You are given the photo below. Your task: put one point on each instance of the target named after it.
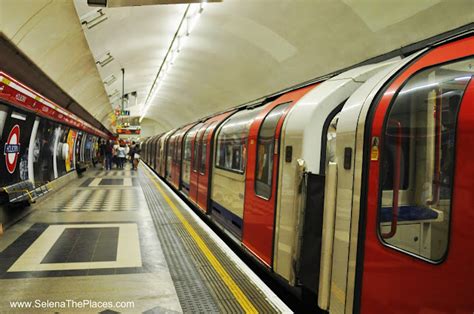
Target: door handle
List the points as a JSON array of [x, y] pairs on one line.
[[396, 179]]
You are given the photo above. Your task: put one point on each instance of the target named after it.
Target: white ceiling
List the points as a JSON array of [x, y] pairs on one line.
[[50, 34], [138, 39], [243, 49], [240, 49]]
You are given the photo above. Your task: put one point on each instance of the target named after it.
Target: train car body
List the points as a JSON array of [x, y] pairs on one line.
[[356, 188], [201, 160], [402, 199]]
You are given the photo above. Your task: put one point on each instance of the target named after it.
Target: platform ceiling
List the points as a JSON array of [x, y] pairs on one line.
[[49, 33], [239, 50]]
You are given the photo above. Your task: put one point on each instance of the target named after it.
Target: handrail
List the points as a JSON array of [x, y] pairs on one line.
[[396, 179], [437, 167]]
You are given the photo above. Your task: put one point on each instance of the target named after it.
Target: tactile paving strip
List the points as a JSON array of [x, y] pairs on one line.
[[220, 292], [193, 294]]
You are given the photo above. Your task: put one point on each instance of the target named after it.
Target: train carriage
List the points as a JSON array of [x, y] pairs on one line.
[[201, 161], [350, 188], [411, 202]]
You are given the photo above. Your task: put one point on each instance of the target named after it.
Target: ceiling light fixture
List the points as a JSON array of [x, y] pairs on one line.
[[105, 59], [114, 94], [92, 20], [186, 26], [109, 80]]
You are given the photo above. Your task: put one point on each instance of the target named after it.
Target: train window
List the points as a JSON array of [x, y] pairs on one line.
[[417, 162], [197, 149], [169, 156], [187, 148], [175, 146], [202, 164], [178, 148], [232, 141], [265, 151], [188, 141]]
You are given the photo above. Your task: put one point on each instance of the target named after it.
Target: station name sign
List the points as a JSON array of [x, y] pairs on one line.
[[128, 131]]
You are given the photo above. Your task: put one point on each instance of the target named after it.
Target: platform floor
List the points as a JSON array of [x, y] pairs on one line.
[[121, 241]]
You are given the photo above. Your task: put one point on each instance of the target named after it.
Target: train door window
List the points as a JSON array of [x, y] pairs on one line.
[[179, 143], [175, 147], [169, 156], [195, 153], [187, 148], [202, 152], [202, 164], [197, 150], [188, 143], [417, 165], [232, 141], [267, 146]]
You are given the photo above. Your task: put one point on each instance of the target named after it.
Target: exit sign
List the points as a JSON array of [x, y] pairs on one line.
[[122, 112]]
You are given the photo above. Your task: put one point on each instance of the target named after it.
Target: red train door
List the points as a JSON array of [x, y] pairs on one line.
[[194, 177], [261, 176], [417, 253], [204, 166], [202, 162]]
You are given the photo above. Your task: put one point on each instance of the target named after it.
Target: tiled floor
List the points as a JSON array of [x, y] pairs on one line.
[[92, 240], [111, 236]]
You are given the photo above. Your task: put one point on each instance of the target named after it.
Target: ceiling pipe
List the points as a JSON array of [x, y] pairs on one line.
[[123, 88]]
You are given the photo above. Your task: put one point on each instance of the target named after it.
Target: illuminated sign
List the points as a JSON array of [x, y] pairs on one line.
[[128, 131]]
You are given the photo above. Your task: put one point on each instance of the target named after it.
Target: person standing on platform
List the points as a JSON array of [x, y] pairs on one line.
[[109, 148], [127, 152], [102, 148], [131, 153], [121, 156], [136, 155]]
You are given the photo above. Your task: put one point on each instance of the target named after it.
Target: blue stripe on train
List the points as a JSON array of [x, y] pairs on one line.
[[227, 218]]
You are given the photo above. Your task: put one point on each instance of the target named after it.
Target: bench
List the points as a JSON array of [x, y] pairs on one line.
[[23, 191]]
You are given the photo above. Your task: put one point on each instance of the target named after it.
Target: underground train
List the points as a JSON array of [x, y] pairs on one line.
[[40, 141], [357, 187]]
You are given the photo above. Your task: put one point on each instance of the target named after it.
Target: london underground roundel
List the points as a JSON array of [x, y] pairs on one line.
[[12, 148]]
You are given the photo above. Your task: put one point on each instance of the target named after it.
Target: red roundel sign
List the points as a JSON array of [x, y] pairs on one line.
[[12, 148]]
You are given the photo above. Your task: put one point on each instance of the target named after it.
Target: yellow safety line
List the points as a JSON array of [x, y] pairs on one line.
[[230, 283]]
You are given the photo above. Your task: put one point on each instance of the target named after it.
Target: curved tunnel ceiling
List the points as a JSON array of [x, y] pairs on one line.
[[49, 33], [239, 50], [242, 49]]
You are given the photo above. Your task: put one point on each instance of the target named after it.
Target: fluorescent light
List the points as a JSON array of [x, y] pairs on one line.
[[188, 23], [110, 79], [105, 59], [173, 57], [94, 20], [191, 22], [17, 115]]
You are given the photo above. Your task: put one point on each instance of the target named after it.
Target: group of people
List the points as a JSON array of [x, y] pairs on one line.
[[118, 152]]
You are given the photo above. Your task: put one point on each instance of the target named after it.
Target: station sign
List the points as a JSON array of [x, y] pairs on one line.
[[128, 131], [24, 98], [119, 112]]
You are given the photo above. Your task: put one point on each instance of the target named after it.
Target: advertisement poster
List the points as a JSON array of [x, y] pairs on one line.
[[43, 152], [71, 138], [79, 156], [16, 129], [62, 151]]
